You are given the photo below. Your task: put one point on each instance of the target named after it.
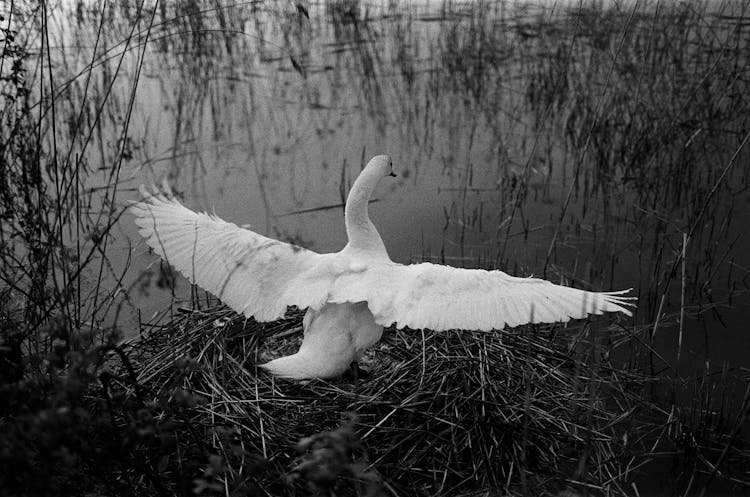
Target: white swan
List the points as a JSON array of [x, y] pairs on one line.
[[352, 294]]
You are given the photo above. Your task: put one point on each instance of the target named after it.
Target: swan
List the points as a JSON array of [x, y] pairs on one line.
[[351, 295]]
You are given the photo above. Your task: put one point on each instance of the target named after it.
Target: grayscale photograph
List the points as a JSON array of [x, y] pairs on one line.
[[373, 248]]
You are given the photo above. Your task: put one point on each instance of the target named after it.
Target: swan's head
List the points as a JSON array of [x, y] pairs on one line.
[[381, 166]]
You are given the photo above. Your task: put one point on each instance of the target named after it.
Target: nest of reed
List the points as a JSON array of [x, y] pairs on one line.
[[537, 409]]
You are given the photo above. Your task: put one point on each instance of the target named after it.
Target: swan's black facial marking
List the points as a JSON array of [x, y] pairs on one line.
[[392, 174]]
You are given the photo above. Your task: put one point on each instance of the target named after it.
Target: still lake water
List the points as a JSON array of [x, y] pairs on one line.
[[572, 143]]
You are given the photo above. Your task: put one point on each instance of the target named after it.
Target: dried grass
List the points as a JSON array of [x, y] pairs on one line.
[[532, 409]]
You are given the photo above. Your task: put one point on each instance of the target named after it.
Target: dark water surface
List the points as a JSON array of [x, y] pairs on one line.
[[585, 145]]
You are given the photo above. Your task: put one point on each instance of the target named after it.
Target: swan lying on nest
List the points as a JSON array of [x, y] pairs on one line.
[[352, 294]]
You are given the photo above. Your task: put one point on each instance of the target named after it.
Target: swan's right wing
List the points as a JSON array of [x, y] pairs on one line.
[[254, 275], [442, 297]]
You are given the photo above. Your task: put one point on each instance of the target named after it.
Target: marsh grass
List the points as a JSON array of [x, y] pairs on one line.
[[56, 316]]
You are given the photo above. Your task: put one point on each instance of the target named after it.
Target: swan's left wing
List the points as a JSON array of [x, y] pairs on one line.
[[443, 297], [254, 275]]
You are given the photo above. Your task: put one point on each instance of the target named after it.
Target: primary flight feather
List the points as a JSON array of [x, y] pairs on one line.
[[352, 294]]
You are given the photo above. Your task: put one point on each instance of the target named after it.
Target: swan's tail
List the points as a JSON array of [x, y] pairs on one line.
[[303, 367]]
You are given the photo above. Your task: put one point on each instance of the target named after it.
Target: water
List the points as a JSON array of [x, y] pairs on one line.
[[262, 125], [567, 143], [260, 113]]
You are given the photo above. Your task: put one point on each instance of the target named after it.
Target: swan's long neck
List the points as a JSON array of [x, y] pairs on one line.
[[363, 237]]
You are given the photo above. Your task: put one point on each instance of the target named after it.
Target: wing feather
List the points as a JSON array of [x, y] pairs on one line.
[[254, 275], [443, 297]]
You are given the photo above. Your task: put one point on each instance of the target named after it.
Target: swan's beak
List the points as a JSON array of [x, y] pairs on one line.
[[393, 175]]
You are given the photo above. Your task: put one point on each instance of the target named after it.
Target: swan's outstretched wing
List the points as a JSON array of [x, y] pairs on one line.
[[254, 275], [442, 297]]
